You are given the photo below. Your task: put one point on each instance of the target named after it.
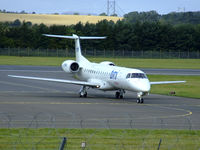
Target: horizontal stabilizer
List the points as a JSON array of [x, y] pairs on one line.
[[167, 82], [75, 37]]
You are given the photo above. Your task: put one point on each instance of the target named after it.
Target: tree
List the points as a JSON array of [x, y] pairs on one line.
[[115, 15], [133, 17], [16, 23], [76, 13], [103, 14]]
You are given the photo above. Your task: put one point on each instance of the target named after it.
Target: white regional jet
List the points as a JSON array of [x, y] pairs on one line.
[[103, 76]]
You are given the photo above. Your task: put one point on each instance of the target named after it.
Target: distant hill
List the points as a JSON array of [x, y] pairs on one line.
[[55, 19], [172, 18]]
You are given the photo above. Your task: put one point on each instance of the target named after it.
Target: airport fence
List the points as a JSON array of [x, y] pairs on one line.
[[101, 53], [45, 131]]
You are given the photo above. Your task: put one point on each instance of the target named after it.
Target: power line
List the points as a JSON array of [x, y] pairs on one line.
[[121, 10], [113, 8]]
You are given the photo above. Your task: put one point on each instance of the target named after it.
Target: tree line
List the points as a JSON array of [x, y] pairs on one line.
[[123, 35], [171, 18]]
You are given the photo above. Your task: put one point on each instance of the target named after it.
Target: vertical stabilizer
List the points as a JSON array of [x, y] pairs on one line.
[[79, 57]]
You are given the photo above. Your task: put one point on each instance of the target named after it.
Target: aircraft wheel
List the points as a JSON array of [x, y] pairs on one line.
[[85, 94], [140, 100], [121, 97], [117, 95], [82, 94]]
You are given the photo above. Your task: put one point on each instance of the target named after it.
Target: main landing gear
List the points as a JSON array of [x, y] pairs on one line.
[[83, 92], [119, 94]]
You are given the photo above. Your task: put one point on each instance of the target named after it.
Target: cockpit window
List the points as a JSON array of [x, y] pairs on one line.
[[128, 75], [136, 75]]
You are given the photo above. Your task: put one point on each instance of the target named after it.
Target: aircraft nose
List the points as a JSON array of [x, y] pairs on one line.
[[142, 85], [145, 87]]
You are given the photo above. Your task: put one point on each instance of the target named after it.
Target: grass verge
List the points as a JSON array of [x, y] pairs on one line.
[[126, 62], [188, 89], [98, 139]]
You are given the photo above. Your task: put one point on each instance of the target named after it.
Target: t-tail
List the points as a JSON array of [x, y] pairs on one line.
[[79, 57]]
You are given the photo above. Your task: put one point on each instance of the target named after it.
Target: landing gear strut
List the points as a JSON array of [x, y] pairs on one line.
[[120, 94], [83, 92]]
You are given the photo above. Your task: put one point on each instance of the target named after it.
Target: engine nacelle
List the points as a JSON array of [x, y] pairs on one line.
[[107, 63], [70, 66]]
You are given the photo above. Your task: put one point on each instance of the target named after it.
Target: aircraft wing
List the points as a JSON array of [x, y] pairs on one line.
[[58, 80], [167, 82]]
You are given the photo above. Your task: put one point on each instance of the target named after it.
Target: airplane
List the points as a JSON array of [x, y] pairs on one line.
[[104, 76]]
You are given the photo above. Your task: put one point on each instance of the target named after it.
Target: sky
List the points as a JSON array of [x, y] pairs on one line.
[[99, 6]]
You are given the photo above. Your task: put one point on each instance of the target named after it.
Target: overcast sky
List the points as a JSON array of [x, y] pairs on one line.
[[98, 6]]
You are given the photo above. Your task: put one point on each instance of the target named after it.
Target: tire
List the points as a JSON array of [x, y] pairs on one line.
[[85, 95], [80, 94], [117, 95]]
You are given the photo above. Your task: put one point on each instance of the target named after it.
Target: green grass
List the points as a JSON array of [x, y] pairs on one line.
[[188, 89], [99, 139], [154, 63], [126, 62], [33, 61]]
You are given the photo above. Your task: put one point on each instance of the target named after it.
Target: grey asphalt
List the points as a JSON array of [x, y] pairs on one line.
[[36, 104]]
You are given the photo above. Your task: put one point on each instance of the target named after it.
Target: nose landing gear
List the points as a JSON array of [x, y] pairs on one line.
[[140, 100], [140, 97]]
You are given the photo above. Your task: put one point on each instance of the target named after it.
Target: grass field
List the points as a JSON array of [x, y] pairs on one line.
[[154, 63], [188, 89], [54, 19], [126, 62], [99, 139]]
